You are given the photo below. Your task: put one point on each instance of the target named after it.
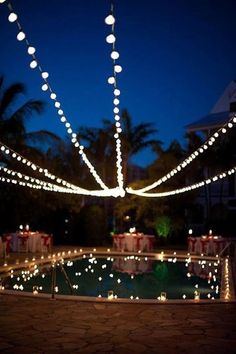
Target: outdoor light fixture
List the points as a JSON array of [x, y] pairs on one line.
[[118, 68], [45, 74], [53, 96], [117, 92], [44, 87], [110, 38], [12, 17], [162, 296], [33, 64], [115, 55], [20, 36], [111, 80], [110, 20], [31, 50], [196, 295], [116, 101], [110, 295]]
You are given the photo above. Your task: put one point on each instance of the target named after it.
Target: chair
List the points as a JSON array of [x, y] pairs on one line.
[[6, 242], [23, 243], [46, 242]]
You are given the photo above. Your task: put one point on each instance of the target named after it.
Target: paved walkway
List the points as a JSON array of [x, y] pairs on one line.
[[33, 325], [38, 326]]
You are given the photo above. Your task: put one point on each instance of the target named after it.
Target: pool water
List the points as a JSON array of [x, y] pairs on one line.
[[124, 277]]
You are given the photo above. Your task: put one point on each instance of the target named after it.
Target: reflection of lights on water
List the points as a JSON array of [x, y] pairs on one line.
[[28, 275]]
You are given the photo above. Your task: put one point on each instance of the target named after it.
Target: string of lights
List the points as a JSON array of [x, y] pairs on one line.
[[111, 39], [184, 189], [207, 144], [112, 80], [69, 186], [34, 63], [35, 183]]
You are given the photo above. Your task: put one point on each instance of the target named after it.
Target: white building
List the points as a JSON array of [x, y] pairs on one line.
[[220, 195]]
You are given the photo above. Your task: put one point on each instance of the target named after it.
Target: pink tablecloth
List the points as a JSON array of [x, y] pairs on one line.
[[133, 242], [208, 245], [28, 242]]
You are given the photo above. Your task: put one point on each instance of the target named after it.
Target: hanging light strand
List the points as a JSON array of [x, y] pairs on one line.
[[78, 190], [204, 147], [32, 182], [112, 80], [34, 63], [184, 189]]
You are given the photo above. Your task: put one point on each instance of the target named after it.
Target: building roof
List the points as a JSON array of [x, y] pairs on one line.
[[211, 121], [220, 112]]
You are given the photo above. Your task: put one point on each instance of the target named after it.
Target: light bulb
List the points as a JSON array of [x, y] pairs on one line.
[[45, 74], [110, 39], [33, 64], [111, 80], [117, 92], [44, 87], [20, 36], [53, 96], [117, 68], [57, 104], [12, 17], [31, 50], [115, 55], [2, 1], [110, 20], [116, 101], [116, 110]]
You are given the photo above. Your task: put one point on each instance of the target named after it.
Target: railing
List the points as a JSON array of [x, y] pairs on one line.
[[53, 279], [229, 252]]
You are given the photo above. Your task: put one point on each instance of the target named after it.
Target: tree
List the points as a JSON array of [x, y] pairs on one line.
[[13, 118], [135, 138]]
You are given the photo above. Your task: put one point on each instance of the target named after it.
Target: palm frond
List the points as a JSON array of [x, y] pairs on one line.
[[9, 97]]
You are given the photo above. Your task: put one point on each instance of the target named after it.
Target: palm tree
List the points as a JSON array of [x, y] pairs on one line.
[[135, 138], [13, 117]]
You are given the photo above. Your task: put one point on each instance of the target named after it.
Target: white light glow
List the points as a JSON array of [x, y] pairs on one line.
[[115, 55], [20, 36], [111, 80], [118, 68], [110, 38], [33, 64], [12, 17], [110, 20], [45, 74], [31, 50]]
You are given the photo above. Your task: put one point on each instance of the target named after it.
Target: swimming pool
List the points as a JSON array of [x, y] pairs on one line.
[[132, 277]]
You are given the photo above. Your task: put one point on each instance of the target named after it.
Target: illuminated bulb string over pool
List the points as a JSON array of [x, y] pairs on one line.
[[66, 187]]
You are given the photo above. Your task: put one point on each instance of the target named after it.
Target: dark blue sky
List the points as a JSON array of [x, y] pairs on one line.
[[177, 57]]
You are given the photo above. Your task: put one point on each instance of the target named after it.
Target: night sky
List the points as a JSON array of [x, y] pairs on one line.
[[177, 57]]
